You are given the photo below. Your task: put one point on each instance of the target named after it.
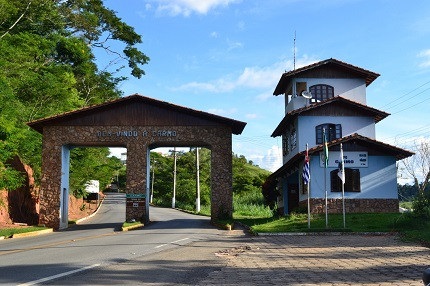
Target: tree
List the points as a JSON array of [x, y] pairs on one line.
[[247, 179], [88, 20], [406, 192], [10, 179], [91, 164], [99, 25], [418, 166], [163, 179], [47, 67]]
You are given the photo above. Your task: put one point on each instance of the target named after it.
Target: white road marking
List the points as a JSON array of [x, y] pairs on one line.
[[176, 241], [58, 275]]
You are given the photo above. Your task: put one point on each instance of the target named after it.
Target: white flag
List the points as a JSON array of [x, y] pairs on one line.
[[341, 166]]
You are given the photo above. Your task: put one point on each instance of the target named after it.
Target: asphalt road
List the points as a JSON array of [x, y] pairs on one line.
[[72, 256], [181, 249]]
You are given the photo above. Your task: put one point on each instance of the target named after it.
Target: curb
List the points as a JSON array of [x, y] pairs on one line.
[[91, 215], [325, 233], [49, 230], [32, 233], [223, 226], [132, 227]]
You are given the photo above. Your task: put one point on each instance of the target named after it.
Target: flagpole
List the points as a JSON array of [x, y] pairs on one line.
[[343, 185], [309, 206], [307, 159], [306, 177], [343, 204], [325, 189], [325, 151]]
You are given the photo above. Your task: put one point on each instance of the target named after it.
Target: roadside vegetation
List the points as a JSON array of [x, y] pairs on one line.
[[251, 209], [48, 67], [411, 225], [8, 232], [247, 181]]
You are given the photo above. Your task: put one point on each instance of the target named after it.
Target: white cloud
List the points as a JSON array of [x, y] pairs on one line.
[[241, 26], [251, 116], [214, 34], [220, 85], [265, 95], [425, 54], [250, 77], [259, 77], [187, 7], [233, 45], [271, 161], [222, 112]]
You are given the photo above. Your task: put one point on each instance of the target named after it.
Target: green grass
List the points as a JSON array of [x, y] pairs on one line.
[[8, 232], [406, 205], [250, 205], [410, 228], [205, 210], [131, 224], [299, 223], [242, 210]]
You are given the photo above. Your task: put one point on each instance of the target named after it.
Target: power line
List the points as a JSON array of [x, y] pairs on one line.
[[419, 130], [404, 95], [412, 105]]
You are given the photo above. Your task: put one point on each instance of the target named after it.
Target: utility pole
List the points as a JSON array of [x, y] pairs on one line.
[[174, 179], [117, 181], [152, 182], [197, 181]]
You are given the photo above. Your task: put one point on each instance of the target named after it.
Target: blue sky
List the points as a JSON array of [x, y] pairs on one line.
[[226, 57]]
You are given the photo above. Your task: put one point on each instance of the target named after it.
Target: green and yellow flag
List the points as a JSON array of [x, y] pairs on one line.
[[325, 149]]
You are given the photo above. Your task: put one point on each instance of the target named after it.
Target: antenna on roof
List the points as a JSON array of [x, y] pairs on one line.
[[294, 51]]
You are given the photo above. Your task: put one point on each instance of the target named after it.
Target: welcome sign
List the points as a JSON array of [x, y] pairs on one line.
[[351, 159]]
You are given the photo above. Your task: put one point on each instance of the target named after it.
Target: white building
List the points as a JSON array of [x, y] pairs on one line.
[[331, 95]]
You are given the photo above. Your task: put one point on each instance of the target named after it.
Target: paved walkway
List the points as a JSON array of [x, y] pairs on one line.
[[233, 258], [322, 260]]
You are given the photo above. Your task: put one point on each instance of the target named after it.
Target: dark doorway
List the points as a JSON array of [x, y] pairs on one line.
[[293, 197]]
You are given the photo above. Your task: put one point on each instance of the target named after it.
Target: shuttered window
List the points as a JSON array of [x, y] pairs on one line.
[[352, 180], [321, 92], [332, 131]]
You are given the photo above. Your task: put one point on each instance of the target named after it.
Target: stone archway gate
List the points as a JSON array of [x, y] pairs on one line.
[[139, 124]]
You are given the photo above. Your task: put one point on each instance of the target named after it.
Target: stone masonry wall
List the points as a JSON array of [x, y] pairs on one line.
[[354, 205], [138, 140]]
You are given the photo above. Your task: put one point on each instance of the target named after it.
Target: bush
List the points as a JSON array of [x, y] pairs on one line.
[[421, 205], [250, 204]]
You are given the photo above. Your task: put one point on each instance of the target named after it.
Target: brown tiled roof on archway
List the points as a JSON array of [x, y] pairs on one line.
[[136, 110]]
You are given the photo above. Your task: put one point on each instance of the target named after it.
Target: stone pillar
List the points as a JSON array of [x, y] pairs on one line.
[[136, 185], [50, 186], [222, 179]]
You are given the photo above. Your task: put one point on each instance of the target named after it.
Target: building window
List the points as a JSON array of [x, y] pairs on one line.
[[332, 131], [321, 92], [293, 140], [285, 144], [352, 180]]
